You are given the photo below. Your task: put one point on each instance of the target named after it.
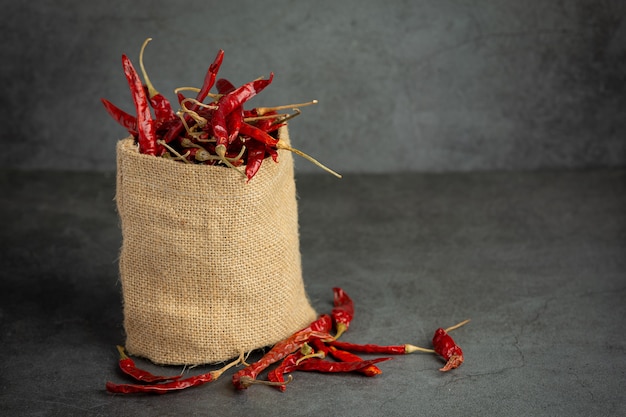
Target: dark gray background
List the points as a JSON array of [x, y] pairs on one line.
[[420, 85]]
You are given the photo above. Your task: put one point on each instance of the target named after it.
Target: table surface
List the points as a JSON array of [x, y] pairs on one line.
[[536, 260]]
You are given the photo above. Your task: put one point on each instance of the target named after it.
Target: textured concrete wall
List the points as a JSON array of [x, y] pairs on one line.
[[428, 85]]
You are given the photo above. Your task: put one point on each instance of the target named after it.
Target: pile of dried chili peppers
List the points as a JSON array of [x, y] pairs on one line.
[[210, 128], [311, 349]]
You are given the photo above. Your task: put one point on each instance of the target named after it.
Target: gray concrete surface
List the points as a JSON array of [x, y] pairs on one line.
[[536, 260], [417, 85]]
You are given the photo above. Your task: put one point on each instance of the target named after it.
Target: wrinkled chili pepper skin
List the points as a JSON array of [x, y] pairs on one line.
[[245, 377], [317, 329], [370, 348], [286, 366], [145, 125], [163, 111], [129, 367], [163, 388], [343, 310], [345, 356], [211, 75], [445, 346], [209, 80], [257, 134], [125, 120], [324, 323], [321, 365], [229, 102], [256, 155]]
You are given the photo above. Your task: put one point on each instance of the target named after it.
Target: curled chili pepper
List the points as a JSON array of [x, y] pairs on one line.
[[445, 346], [343, 310]]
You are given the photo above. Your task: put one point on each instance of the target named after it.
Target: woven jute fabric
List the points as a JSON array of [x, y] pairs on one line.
[[210, 264]]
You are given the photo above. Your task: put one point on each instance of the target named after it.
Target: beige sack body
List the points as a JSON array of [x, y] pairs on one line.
[[210, 265]]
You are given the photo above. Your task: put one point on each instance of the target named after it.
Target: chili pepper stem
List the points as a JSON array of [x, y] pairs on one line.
[[341, 328], [122, 352], [220, 150], [456, 326], [282, 145], [219, 372], [287, 117], [262, 110], [151, 90], [412, 348], [319, 354], [174, 151]]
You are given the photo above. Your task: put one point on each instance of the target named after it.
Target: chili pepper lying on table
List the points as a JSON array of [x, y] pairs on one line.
[[276, 375], [345, 356], [320, 365], [309, 349], [443, 345], [129, 367], [171, 386], [247, 376], [446, 347]]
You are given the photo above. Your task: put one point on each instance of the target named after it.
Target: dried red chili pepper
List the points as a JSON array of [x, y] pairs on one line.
[[343, 311], [256, 155], [162, 108], [323, 323], [321, 365], [264, 137], [224, 86], [380, 349], [129, 367], [276, 375], [209, 80], [211, 75], [235, 118], [345, 356], [226, 104], [145, 125], [247, 376], [171, 386], [126, 120], [445, 346]]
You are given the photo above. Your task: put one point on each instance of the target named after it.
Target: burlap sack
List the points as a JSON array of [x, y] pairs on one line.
[[210, 265]]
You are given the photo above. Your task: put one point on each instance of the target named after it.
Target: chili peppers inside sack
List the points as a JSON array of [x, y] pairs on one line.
[[209, 128]]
